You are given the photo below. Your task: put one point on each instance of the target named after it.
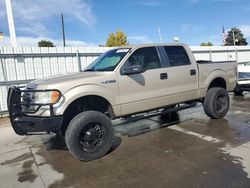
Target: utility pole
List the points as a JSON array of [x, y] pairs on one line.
[[63, 32], [233, 37], [159, 32], [11, 23]]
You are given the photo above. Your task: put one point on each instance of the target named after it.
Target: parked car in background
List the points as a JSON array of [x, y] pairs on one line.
[[243, 83]]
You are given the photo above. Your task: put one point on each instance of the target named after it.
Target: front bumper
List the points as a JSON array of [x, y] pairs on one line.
[[24, 124], [243, 84]]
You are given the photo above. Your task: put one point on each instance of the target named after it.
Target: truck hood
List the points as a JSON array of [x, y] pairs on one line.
[[68, 81]]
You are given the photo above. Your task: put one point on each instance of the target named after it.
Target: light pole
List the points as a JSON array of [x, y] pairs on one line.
[[236, 50], [233, 38], [12, 31]]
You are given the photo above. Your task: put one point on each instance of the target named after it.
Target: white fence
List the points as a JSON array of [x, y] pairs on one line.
[[21, 64]]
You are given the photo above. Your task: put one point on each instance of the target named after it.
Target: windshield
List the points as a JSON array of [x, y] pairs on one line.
[[108, 61]]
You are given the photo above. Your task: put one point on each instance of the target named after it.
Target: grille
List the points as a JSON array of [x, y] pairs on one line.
[[244, 75]]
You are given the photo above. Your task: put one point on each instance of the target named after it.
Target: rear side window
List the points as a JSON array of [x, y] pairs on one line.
[[177, 55], [147, 57]]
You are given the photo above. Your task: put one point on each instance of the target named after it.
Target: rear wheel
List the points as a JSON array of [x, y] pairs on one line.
[[237, 90], [89, 135], [216, 103]]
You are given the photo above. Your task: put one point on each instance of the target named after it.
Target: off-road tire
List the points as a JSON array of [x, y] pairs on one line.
[[216, 103], [237, 91], [78, 130]]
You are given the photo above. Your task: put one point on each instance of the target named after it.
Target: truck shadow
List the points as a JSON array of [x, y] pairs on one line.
[[142, 126], [55, 143]]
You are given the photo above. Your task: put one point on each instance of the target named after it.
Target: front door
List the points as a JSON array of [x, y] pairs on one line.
[[144, 91]]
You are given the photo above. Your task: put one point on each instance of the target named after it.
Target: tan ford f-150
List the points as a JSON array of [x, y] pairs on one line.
[[122, 82]]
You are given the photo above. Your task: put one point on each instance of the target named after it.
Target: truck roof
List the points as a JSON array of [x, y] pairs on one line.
[[152, 44]]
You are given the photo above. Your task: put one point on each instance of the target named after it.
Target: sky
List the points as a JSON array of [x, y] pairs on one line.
[[88, 22]]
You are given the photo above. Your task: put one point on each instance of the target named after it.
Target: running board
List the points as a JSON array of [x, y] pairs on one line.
[[179, 108], [159, 112]]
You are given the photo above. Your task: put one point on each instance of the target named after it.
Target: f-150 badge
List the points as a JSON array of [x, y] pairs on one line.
[[109, 82]]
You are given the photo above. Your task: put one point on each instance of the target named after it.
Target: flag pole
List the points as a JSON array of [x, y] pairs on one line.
[[12, 31], [224, 36]]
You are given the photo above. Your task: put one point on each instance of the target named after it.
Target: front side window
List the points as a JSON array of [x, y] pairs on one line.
[[146, 57], [177, 55], [108, 61]]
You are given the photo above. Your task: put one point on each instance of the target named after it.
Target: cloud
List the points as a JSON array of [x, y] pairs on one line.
[[37, 30], [2, 8], [245, 30], [215, 39], [33, 17], [191, 28], [216, 1], [149, 3], [139, 39], [32, 42]]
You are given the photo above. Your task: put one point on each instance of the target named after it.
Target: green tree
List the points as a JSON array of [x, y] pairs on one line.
[[239, 38], [116, 39], [45, 43], [206, 44]]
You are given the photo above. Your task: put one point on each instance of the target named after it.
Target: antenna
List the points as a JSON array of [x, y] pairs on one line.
[[159, 32], [12, 31]]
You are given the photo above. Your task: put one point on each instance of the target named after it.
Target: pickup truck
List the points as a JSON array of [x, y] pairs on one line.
[[243, 83], [122, 82]]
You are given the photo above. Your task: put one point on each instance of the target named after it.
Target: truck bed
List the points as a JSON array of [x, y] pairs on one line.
[[209, 70]]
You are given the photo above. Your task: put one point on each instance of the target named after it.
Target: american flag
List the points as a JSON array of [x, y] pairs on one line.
[[223, 36]]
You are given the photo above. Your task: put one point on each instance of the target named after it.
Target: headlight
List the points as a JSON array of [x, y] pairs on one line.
[[47, 97]]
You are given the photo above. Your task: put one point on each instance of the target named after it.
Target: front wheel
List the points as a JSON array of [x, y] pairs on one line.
[[89, 135], [216, 103]]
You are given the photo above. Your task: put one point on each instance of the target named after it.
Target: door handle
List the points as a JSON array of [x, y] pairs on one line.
[[192, 72], [163, 76]]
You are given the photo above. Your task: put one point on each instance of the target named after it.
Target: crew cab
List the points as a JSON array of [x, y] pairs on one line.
[[122, 82]]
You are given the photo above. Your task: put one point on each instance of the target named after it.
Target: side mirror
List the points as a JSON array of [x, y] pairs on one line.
[[133, 69]]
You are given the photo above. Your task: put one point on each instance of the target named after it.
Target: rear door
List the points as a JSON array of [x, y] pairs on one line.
[[182, 83]]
